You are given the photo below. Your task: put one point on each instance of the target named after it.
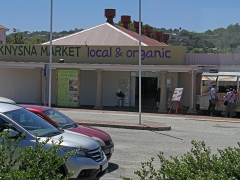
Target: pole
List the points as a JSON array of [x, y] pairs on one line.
[[192, 87], [140, 63], [50, 58]]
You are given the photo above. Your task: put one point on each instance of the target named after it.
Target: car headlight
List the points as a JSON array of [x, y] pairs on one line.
[[71, 149], [99, 141]]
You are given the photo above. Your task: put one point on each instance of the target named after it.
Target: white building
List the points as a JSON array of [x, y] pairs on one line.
[[3, 31], [104, 60]]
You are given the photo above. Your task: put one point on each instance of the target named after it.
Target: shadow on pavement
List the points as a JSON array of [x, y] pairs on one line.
[[112, 167]]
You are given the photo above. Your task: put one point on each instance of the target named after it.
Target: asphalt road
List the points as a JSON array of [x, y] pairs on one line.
[[135, 146]]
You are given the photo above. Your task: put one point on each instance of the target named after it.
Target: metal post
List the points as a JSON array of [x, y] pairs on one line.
[[50, 58], [192, 88], [140, 63]]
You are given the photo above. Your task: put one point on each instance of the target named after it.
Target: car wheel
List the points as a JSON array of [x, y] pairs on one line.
[[61, 171]]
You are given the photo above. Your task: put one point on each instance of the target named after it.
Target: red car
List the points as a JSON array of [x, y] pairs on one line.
[[58, 119]]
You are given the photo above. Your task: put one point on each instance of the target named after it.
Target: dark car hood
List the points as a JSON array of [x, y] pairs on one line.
[[89, 131]]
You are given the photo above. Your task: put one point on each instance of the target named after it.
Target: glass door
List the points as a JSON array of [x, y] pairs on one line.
[[123, 85]]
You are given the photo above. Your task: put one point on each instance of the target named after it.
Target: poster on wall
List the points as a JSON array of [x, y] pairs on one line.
[[177, 94], [68, 87]]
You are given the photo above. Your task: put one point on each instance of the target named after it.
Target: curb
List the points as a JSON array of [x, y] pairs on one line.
[[151, 127]]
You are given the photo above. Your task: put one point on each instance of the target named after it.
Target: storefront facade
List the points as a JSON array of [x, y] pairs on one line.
[[102, 71]]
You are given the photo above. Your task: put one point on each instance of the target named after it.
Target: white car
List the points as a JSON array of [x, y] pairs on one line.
[[89, 163], [6, 100]]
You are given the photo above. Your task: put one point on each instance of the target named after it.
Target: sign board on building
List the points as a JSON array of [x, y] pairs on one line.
[[68, 88], [150, 55], [177, 94]]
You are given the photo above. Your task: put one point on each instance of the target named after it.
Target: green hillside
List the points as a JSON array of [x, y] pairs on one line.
[[220, 40]]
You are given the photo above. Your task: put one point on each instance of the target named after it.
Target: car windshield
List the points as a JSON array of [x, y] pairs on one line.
[[32, 123], [59, 118]]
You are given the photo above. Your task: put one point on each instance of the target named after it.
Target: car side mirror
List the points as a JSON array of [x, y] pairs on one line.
[[11, 133]]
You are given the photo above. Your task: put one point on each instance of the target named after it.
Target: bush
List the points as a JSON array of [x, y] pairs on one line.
[[33, 162], [198, 164]]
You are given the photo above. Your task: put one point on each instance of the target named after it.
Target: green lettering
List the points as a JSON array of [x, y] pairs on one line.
[[7, 49], [53, 52], [20, 49], [58, 50], [26, 49], [78, 49], [44, 50], [34, 51], [71, 51], [1, 50], [64, 51], [15, 49]]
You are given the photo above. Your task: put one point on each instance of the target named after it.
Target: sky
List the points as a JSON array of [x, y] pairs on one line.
[[192, 15]]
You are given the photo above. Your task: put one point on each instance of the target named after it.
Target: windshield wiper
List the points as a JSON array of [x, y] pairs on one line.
[[52, 133], [67, 126]]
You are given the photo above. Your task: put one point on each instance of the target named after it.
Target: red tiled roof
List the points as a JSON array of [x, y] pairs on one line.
[[106, 35], [2, 27], [146, 40]]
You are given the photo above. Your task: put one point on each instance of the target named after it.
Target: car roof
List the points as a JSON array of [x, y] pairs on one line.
[[32, 106], [7, 100], [5, 107]]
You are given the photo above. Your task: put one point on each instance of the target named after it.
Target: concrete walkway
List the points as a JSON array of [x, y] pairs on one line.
[[123, 118]]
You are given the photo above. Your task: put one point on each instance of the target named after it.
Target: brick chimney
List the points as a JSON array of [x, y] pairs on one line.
[[158, 36], [110, 14], [125, 20], [136, 26], [148, 31], [165, 38]]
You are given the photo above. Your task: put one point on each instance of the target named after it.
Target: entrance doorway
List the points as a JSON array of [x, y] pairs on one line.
[[148, 90]]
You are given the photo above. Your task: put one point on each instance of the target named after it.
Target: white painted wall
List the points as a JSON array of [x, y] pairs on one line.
[[110, 87], [18, 84], [22, 85], [88, 86]]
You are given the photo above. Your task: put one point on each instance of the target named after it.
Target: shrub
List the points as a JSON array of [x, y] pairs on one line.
[[198, 164], [33, 162]]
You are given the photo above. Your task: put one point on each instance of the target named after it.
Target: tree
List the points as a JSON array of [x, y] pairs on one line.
[[33, 162], [199, 163], [35, 40], [15, 38]]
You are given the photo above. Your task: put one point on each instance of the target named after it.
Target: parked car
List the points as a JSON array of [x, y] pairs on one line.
[[58, 119], [90, 162], [7, 100]]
